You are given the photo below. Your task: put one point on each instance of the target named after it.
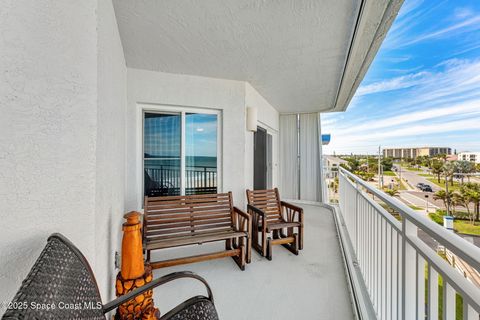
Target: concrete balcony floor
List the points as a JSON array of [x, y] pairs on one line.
[[312, 285]]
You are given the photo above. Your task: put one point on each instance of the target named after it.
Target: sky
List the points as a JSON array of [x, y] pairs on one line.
[[162, 136], [423, 87]]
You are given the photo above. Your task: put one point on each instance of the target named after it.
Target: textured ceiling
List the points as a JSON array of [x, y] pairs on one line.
[[292, 51]]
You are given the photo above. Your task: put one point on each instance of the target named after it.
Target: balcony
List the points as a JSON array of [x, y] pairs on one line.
[[396, 275], [312, 285], [358, 261]]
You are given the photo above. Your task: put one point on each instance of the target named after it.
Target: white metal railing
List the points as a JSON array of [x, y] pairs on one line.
[[400, 271]]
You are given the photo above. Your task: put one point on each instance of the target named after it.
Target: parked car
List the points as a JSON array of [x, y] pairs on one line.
[[427, 188]]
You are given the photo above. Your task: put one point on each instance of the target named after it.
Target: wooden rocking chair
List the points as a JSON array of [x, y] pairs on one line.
[[276, 221]]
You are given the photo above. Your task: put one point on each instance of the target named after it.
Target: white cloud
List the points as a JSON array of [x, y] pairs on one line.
[[442, 101], [470, 24], [397, 83]]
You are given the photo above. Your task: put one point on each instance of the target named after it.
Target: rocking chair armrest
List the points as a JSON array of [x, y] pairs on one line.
[[295, 209], [291, 206], [155, 283], [256, 210]]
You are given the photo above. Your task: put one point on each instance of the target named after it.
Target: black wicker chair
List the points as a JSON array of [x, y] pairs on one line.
[[61, 285]]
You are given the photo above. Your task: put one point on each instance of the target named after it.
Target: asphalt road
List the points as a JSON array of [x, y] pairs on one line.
[[413, 178], [417, 198]]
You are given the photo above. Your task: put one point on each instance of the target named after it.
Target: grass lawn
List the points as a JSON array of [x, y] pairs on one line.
[[425, 175], [413, 169], [389, 173], [465, 227], [403, 185], [461, 226], [456, 185], [415, 207]]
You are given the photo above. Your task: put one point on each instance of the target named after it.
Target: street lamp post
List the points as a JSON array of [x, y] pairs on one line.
[[426, 201]]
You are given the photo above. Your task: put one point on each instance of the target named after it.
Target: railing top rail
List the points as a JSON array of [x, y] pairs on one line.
[[464, 249], [177, 167]]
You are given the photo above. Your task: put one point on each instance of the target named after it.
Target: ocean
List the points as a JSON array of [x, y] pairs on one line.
[[191, 162]]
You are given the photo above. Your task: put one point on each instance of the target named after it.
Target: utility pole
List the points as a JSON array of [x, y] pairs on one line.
[[447, 195], [380, 182]]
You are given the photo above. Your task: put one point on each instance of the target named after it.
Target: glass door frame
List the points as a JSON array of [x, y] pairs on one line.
[[179, 110]]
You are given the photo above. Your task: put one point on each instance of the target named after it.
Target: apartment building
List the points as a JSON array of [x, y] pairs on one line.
[[469, 156], [403, 153]]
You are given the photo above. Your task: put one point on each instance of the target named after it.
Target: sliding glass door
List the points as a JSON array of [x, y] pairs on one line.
[[200, 153], [162, 154], [180, 153]]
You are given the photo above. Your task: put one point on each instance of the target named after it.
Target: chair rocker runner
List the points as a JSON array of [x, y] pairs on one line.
[[276, 221]]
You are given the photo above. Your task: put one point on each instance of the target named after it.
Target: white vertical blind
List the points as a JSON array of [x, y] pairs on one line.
[[288, 157], [309, 157]]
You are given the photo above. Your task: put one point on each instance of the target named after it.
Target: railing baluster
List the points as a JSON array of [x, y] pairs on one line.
[[448, 301], [469, 313], [400, 275], [432, 293], [388, 268], [420, 287], [409, 271]]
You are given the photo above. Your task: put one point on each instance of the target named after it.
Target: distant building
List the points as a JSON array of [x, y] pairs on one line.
[[331, 164], [469, 156], [404, 153]]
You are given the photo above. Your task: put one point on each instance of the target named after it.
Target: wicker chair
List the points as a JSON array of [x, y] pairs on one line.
[[61, 277]]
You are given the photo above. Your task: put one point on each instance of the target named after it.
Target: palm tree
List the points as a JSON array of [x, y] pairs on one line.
[[466, 203], [437, 168], [449, 169], [457, 199], [465, 167], [472, 192], [444, 196], [334, 185], [392, 192]]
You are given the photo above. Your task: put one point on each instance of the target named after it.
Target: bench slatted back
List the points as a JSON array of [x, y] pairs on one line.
[[267, 201], [173, 216]]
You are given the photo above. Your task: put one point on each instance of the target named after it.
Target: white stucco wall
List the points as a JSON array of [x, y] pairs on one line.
[[110, 148], [231, 97], [48, 98]]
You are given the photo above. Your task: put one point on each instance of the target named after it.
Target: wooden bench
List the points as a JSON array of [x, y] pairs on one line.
[[271, 217], [176, 221]]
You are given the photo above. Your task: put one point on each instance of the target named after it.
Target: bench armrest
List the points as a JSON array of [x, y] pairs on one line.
[[155, 283], [244, 220], [240, 212], [293, 211]]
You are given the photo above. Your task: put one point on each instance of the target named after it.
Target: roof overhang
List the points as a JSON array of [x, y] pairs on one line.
[[302, 56]]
